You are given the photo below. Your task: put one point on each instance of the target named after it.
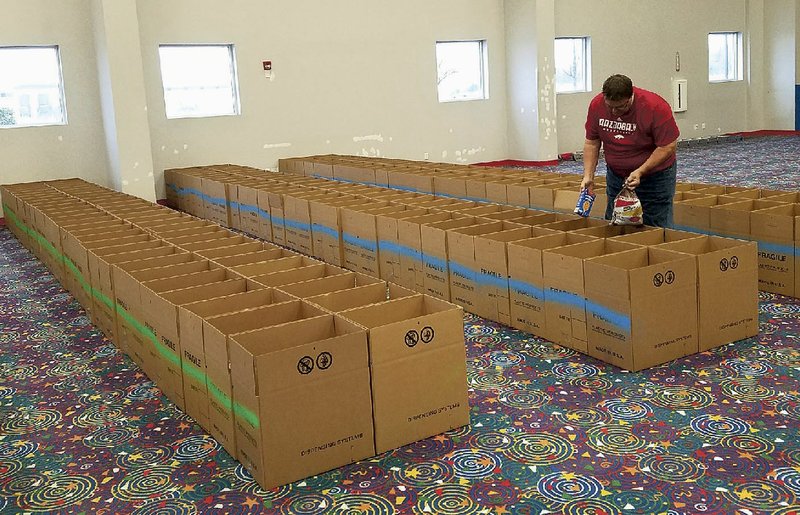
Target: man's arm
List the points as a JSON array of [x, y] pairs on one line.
[[591, 153], [659, 155]]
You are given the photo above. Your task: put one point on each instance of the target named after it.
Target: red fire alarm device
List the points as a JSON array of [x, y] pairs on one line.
[[267, 66]]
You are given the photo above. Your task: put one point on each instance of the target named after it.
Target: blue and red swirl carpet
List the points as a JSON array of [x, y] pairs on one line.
[[83, 431]]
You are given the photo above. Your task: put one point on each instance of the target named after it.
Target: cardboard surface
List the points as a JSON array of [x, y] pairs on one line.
[[302, 399], [190, 320], [415, 337], [565, 309], [642, 307], [727, 288]]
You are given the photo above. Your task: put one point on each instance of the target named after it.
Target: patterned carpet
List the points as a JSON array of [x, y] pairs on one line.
[[761, 162], [82, 430]]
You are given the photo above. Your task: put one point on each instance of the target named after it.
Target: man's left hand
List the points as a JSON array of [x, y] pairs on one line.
[[633, 180]]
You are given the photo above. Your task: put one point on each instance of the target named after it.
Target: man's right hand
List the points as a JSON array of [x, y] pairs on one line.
[[588, 184]]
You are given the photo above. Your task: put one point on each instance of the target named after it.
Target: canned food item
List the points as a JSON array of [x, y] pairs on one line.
[[585, 203]]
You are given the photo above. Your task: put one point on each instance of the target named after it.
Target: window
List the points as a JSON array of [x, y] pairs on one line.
[[461, 70], [199, 80], [725, 56], [31, 88], [572, 65]]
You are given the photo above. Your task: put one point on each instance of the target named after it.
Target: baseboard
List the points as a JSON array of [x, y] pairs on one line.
[[751, 134], [516, 162]]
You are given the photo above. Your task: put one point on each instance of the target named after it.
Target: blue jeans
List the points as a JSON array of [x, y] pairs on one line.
[[656, 192]]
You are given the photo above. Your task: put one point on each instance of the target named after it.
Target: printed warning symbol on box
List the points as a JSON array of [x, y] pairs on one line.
[[305, 365], [324, 360]]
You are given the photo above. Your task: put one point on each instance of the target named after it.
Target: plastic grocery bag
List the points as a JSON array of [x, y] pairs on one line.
[[627, 209]]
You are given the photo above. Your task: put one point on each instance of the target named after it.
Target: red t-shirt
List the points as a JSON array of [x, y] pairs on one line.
[[628, 140]]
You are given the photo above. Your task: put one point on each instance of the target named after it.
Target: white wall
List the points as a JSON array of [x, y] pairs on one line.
[[644, 47], [779, 35], [349, 77], [359, 77], [78, 148]]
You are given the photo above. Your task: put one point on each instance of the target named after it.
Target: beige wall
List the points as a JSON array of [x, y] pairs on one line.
[[645, 50], [78, 148], [349, 77], [359, 77]]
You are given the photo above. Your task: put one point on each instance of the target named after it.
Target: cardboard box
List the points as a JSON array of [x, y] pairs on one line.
[[411, 180], [196, 390], [543, 196], [201, 237], [409, 240], [245, 247], [611, 231], [519, 194], [360, 237], [567, 222], [156, 352], [642, 306], [733, 219], [435, 262], [100, 271], [126, 278], [654, 236], [103, 312], [297, 219], [326, 228], [416, 336], [216, 331], [565, 306], [247, 198], [76, 261], [727, 288], [694, 214], [302, 398], [775, 230], [275, 201], [358, 296], [389, 249], [276, 264], [214, 243], [258, 256], [508, 213], [262, 225], [331, 283], [464, 276], [492, 299], [301, 273], [215, 201], [453, 185], [526, 278], [497, 190], [160, 299]]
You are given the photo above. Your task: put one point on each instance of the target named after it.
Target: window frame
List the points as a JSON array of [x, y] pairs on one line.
[[483, 52], [234, 75], [738, 68], [62, 95], [586, 45]]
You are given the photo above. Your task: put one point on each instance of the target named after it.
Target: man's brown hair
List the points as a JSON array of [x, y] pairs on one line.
[[617, 87]]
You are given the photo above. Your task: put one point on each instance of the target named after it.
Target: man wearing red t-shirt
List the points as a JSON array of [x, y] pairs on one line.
[[639, 136]]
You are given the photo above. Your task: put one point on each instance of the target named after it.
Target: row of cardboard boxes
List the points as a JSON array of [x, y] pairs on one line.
[[768, 216], [543, 273], [231, 194], [294, 366]]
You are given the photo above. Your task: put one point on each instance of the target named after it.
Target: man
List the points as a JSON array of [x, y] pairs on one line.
[[639, 135]]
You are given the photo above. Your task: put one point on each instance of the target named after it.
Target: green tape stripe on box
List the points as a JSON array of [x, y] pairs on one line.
[[197, 374], [246, 414]]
